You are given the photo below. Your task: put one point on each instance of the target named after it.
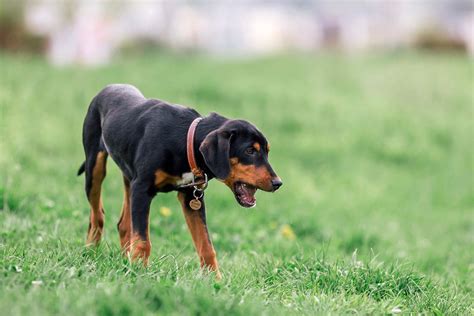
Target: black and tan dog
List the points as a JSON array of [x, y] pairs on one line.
[[161, 147]]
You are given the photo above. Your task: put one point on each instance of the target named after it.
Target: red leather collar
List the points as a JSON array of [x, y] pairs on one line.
[[190, 149]]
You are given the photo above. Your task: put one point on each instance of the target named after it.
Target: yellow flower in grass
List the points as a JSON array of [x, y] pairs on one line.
[[165, 211], [287, 232]]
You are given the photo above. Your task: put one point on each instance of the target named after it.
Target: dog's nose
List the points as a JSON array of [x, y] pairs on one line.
[[276, 183]]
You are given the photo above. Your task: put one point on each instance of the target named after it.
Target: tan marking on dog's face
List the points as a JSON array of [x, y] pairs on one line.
[[162, 179], [256, 146], [258, 177], [268, 148]]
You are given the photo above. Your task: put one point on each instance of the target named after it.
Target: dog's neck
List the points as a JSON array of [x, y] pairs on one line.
[[207, 125]]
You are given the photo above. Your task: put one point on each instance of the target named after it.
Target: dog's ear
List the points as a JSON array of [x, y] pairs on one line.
[[215, 150]]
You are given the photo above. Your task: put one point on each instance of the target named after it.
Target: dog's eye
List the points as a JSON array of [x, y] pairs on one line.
[[250, 151]]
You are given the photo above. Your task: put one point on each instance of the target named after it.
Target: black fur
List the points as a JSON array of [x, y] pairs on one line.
[[215, 151], [82, 168]]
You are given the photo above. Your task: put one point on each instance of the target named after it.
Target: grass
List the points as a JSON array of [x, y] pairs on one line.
[[375, 215]]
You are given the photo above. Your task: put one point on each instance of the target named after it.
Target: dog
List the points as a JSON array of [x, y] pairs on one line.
[[163, 147]]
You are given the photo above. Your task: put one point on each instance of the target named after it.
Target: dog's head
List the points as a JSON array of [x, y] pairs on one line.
[[237, 154]]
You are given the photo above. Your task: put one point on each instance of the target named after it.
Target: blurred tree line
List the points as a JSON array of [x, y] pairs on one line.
[[14, 36]]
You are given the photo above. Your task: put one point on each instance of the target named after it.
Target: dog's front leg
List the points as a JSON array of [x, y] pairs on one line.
[[140, 245], [196, 221]]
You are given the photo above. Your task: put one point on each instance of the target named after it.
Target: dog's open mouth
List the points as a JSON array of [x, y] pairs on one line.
[[245, 194]]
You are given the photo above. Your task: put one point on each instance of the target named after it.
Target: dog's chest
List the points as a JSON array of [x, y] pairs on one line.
[[165, 182], [186, 178]]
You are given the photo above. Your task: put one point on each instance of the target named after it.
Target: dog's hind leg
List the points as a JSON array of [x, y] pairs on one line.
[[95, 169], [95, 174], [124, 225]]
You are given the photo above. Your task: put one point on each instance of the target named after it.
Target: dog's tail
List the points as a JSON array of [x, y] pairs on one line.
[[82, 168]]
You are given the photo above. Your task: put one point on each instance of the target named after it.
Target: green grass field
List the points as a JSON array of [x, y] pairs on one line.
[[375, 215]]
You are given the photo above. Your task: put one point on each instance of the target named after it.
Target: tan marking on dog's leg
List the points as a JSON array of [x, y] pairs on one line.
[[96, 220], [200, 236], [124, 225], [140, 249]]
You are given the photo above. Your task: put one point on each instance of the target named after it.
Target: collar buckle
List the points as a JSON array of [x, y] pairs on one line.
[[199, 185]]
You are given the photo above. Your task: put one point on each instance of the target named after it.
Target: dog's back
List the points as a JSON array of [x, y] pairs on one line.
[[118, 95], [120, 119]]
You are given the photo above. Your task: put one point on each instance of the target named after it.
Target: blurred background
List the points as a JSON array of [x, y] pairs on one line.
[[93, 32], [369, 109]]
